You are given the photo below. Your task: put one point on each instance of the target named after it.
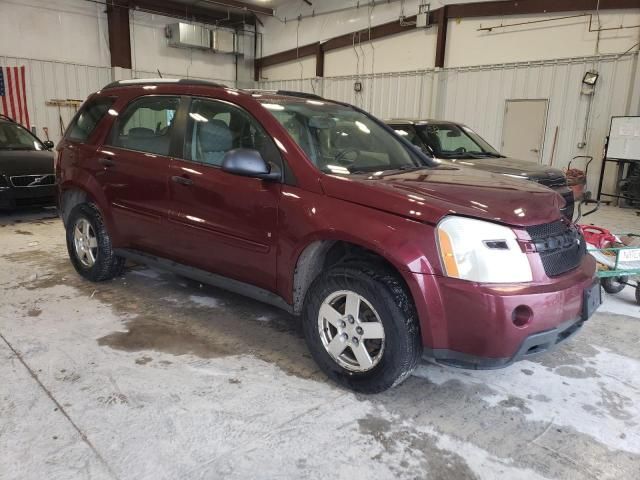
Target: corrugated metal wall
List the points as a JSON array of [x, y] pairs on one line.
[[476, 96], [56, 80]]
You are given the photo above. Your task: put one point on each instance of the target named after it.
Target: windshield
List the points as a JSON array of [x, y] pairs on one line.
[[340, 140], [14, 137], [448, 140]]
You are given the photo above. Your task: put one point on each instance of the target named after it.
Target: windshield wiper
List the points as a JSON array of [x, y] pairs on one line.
[[485, 154]]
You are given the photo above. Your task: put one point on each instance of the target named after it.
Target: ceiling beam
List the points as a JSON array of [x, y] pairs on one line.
[[195, 13], [525, 7], [438, 16], [236, 5]]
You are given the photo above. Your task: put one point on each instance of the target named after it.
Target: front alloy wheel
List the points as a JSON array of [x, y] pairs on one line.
[[361, 326], [351, 331]]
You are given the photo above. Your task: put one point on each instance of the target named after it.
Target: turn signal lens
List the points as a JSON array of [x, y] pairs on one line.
[[446, 251]]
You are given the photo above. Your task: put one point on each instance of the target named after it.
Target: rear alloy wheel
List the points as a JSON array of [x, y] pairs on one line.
[[361, 327], [85, 242], [89, 244]]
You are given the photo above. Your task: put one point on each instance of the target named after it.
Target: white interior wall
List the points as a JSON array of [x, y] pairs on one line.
[[150, 51], [413, 50], [281, 35], [553, 38], [303, 68], [561, 38], [72, 31]]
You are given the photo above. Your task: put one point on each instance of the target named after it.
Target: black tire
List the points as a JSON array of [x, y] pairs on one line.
[[614, 285], [638, 294], [107, 265], [388, 296]]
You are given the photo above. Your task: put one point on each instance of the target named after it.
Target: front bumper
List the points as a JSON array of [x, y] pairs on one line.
[[471, 325], [13, 197]]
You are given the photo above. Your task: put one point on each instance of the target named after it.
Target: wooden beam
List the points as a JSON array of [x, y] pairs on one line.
[[441, 40], [119, 34]]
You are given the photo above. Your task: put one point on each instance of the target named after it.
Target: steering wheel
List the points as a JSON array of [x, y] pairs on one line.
[[460, 150], [341, 156]]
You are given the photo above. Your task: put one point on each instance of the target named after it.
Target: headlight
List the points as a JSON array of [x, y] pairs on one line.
[[481, 251]]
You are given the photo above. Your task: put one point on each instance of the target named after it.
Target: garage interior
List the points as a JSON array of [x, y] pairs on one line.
[[152, 375]]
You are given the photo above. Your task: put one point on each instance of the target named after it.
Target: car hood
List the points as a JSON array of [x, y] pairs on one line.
[[428, 194], [20, 162], [512, 166]]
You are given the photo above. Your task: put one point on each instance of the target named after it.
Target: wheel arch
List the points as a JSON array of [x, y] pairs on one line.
[[321, 254], [72, 194]]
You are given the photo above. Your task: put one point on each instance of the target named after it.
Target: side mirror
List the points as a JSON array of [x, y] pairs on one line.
[[48, 145], [248, 163]]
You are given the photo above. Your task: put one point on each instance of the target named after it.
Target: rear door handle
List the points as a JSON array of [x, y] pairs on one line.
[[106, 162], [182, 180]]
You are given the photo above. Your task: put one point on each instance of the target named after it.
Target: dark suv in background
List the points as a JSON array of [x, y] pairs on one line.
[[322, 210], [455, 143], [26, 167]]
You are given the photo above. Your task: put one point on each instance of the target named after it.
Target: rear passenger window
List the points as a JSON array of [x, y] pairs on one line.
[[145, 125], [88, 119], [215, 127]]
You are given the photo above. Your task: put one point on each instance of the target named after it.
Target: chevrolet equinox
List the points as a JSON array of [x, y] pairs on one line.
[[321, 209]]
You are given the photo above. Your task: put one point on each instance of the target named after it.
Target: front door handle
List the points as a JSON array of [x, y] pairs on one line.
[[106, 162], [182, 180]]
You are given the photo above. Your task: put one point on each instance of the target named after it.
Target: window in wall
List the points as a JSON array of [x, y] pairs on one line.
[[145, 125]]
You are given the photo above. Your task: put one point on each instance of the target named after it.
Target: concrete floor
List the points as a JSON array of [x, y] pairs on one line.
[[152, 376]]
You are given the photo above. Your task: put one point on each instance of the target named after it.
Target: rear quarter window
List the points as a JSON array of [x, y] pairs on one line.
[[88, 118]]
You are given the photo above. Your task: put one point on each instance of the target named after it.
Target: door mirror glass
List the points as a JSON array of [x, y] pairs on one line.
[[49, 145], [248, 163]]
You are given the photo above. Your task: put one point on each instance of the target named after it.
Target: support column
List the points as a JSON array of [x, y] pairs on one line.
[[320, 60], [119, 33], [441, 42]]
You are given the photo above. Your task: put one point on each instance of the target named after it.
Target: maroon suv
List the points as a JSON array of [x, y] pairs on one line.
[[320, 209]]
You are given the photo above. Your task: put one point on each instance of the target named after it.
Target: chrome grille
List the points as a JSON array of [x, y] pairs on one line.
[[33, 180]]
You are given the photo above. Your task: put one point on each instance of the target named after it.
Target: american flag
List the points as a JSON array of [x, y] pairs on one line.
[[13, 94]]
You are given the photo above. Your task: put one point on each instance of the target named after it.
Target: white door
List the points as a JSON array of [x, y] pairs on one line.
[[523, 129]]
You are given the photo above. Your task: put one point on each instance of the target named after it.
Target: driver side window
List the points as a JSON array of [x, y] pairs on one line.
[[216, 127]]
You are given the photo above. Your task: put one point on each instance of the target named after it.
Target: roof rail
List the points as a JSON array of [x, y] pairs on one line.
[[290, 93], [6, 117], [157, 81]]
